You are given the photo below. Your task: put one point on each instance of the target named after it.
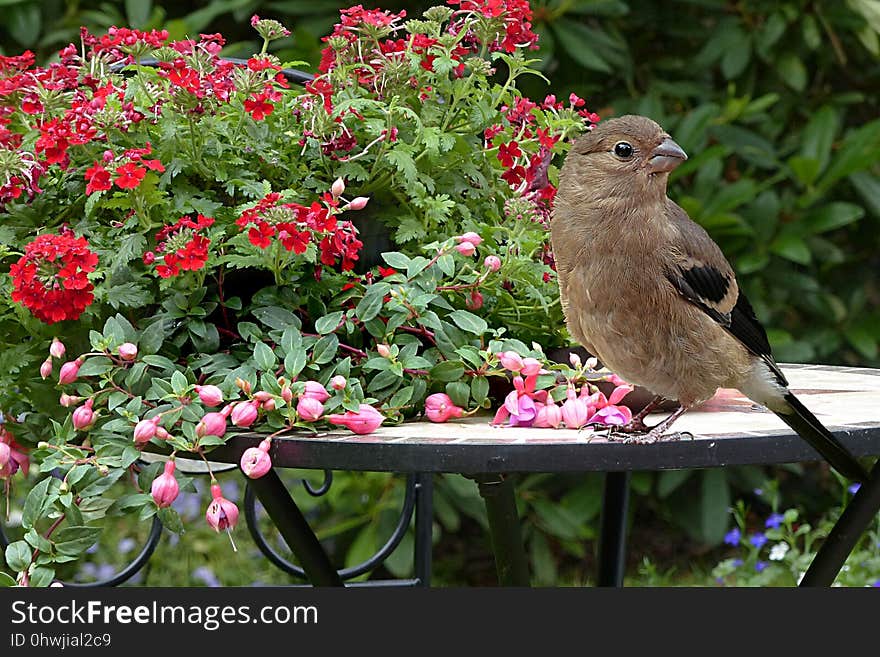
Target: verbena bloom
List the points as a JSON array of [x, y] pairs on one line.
[[316, 391], [255, 462], [212, 424], [510, 360], [69, 370], [210, 395], [733, 537], [128, 351], [366, 420], [165, 487], [774, 520], [222, 514], [46, 369], [439, 407], [57, 348], [492, 263], [549, 416], [466, 249], [84, 417], [338, 382], [309, 409], [758, 540], [471, 237], [145, 430], [244, 414]]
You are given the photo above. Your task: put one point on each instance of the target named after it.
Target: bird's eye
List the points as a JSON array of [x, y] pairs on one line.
[[623, 150]]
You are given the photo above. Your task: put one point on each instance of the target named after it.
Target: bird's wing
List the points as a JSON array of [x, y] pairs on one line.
[[702, 275]]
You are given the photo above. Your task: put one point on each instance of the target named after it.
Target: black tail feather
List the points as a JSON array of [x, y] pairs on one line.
[[808, 427]]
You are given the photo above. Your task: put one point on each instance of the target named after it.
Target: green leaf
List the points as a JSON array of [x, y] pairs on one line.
[[138, 12], [95, 366], [669, 480], [264, 357], [294, 362], [469, 322], [791, 247], [450, 370], [179, 383], [41, 576], [792, 71], [832, 216], [714, 502], [818, 137], [34, 503], [171, 520], [577, 39], [152, 338], [18, 556], [459, 392], [325, 349], [396, 260], [328, 323], [401, 397], [75, 540], [479, 389], [6, 580], [276, 318]]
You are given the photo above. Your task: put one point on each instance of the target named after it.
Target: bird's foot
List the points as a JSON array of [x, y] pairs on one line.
[[654, 436], [636, 425], [624, 434]]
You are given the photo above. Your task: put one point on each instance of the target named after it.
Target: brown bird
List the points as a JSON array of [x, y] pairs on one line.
[[648, 292]]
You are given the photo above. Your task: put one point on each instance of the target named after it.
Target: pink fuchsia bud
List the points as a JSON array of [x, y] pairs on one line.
[[337, 188], [128, 351], [549, 416], [439, 407], [269, 405], [222, 514], [161, 434], [492, 263], [575, 411], [575, 360], [5, 454], [309, 409], [255, 462], [69, 371], [286, 393], [366, 420], [244, 386], [471, 237], [57, 349], [316, 391], [338, 382], [244, 414], [145, 430], [530, 366], [165, 487], [384, 350], [510, 360], [211, 424], [46, 368], [262, 396], [210, 395], [358, 203], [69, 400], [474, 301], [466, 249], [84, 416]]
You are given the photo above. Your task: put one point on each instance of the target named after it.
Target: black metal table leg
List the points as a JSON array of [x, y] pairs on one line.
[[424, 527], [612, 532], [853, 522], [292, 525], [504, 529]]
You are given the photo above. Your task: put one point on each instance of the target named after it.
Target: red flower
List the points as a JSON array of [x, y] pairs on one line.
[[184, 248], [258, 107], [292, 238], [97, 179], [51, 278], [261, 234], [129, 175], [507, 154]]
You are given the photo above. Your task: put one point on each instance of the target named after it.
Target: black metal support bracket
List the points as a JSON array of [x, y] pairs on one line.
[[504, 529], [612, 532]]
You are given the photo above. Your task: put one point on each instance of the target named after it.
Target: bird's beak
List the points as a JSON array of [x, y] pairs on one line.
[[666, 157]]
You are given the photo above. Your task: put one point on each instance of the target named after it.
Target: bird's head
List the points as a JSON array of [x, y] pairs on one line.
[[630, 153]]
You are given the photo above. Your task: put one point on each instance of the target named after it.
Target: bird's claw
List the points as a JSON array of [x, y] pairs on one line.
[[648, 438]]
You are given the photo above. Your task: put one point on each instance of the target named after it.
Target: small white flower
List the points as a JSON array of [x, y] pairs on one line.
[[778, 551]]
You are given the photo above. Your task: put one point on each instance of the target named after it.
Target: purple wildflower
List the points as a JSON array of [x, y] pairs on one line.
[[760, 566], [737, 563], [774, 520], [854, 488], [733, 536], [758, 540]]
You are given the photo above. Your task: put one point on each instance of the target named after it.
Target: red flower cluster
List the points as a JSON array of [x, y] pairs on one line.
[[295, 226], [516, 15], [51, 278], [122, 41], [181, 246], [126, 171]]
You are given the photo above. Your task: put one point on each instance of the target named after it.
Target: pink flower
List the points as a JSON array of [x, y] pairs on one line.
[[611, 414], [69, 371], [309, 409], [84, 416], [549, 415], [316, 391], [471, 237], [128, 351], [530, 366], [474, 301], [145, 430], [212, 424], [286, 393], [492, 263], [337, 188], [5, 454], [244, 414], [17, 459], [575, 360], [255, 462], [366, 420], [222, 514], [466, 249], [358, 203], [46, 368], [338, 382], [165, 487], [384, 350], [510, 360], [575, 411], [57, 349], [68, 400], [520, 404], [439, 407], [210, 395]]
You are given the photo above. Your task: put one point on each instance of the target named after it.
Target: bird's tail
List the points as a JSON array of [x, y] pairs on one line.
[[823, 441]]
